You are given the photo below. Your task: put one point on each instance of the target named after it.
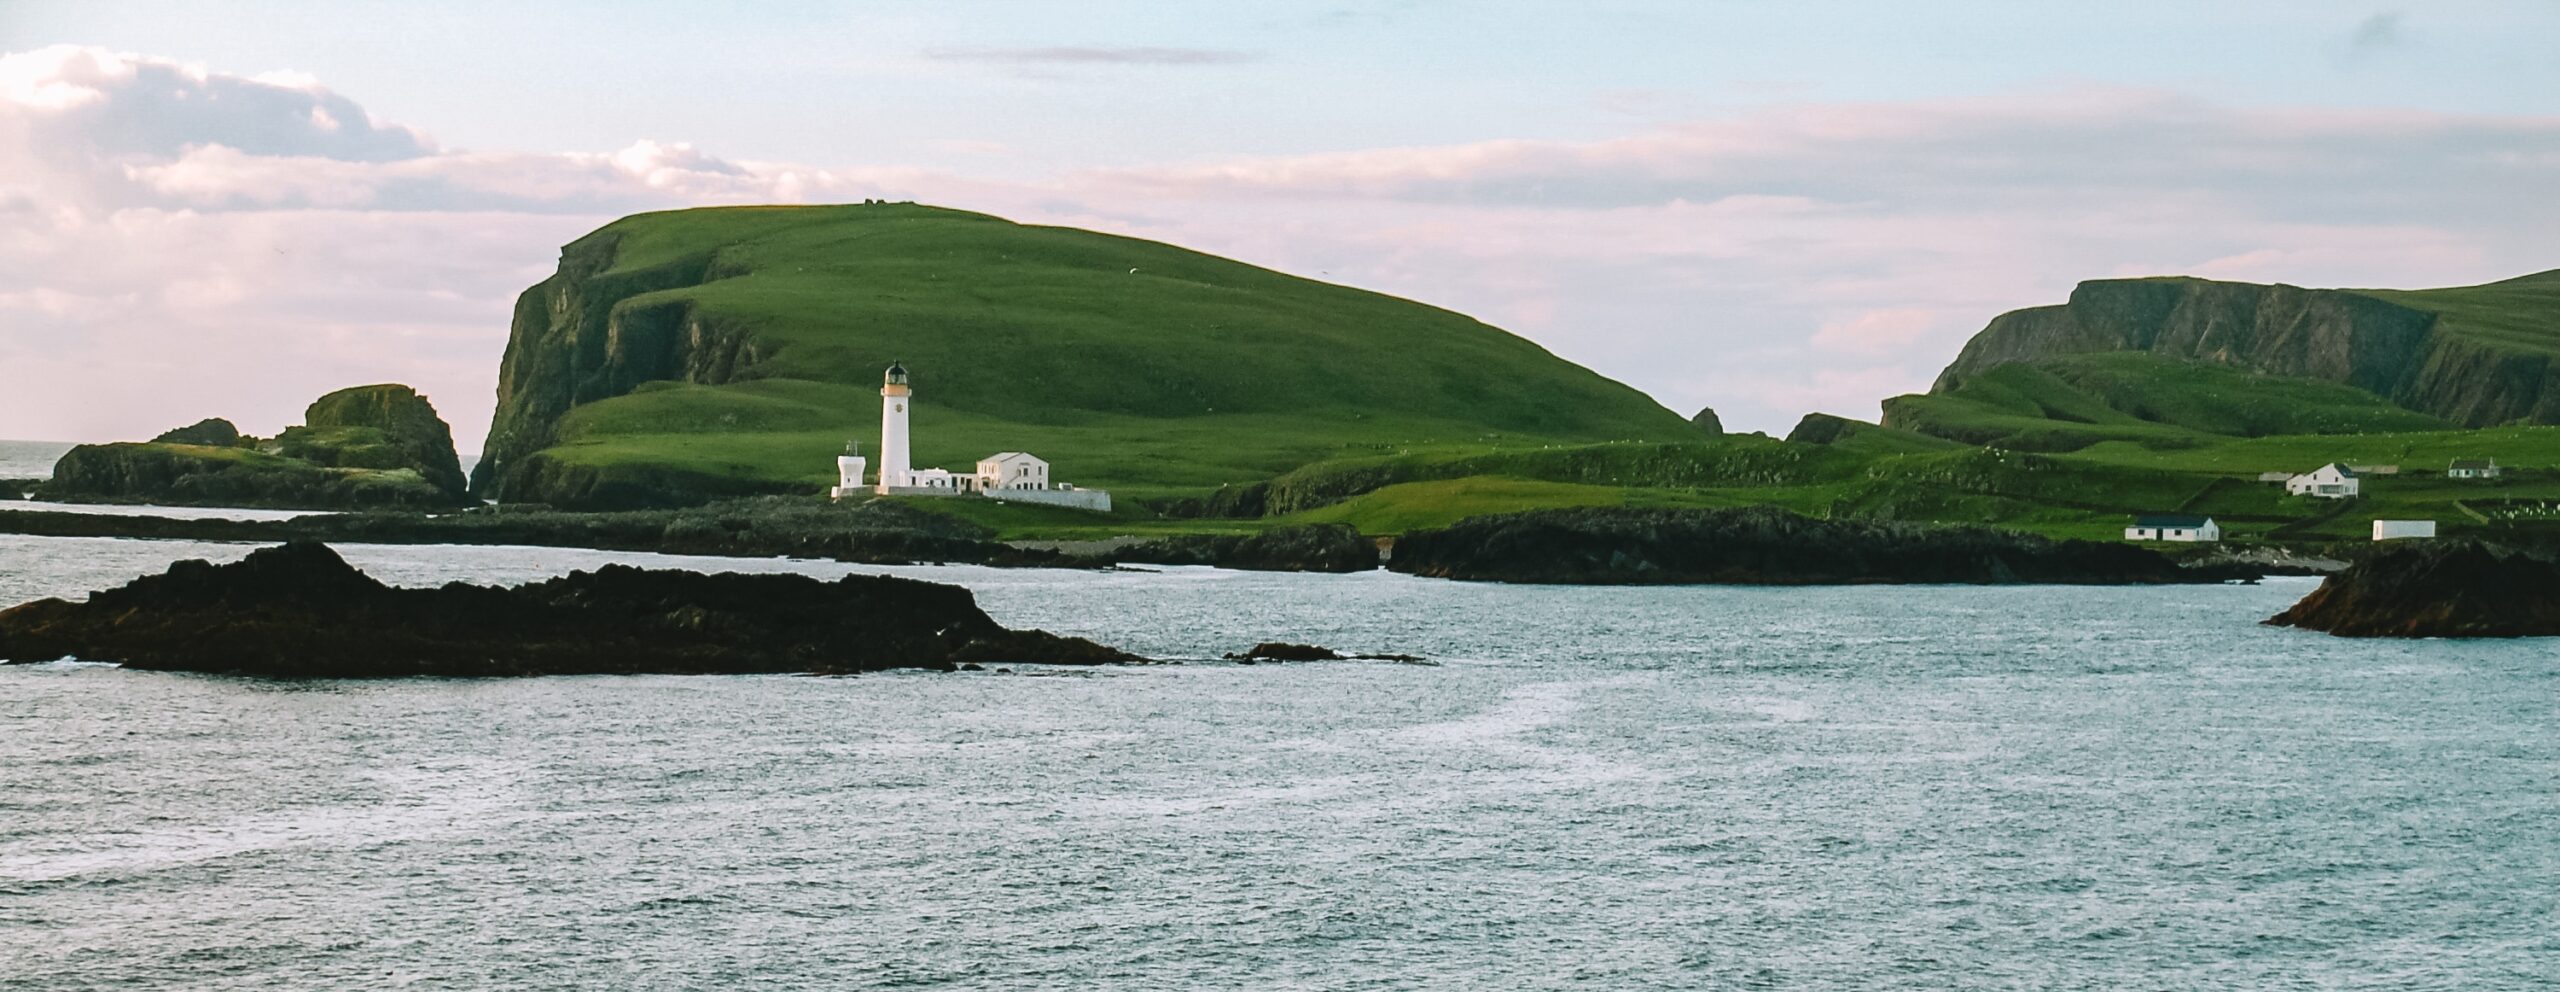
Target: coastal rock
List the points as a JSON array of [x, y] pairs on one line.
[[386, 426], [1706, 421], [2435, 589], [1282, 651], [212, 432], [1822, 428], [198, 475], [1761, 546], [366, 447], [1303, 548], [300, 611]]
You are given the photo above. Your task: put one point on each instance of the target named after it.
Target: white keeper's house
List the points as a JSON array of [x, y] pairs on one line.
[[1010, 476], [2330, 481], [2173, 527]]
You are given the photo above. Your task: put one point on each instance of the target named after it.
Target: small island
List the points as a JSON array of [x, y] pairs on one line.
[[300, 611], [366, 447]]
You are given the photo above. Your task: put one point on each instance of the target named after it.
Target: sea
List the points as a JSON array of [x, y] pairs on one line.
[[1584, 788], [31, 459]]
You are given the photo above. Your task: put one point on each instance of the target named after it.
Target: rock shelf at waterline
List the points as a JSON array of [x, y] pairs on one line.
[[300, 611]]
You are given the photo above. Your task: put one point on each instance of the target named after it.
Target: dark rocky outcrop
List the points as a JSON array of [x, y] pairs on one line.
[[1284, 651], [1706, 421], [1277, 651], [212, 432], [1761, 546], [366, 447], [2435, 589], [299, 611], [196, 475], [2398, 352], [1822, 428], [883, 531], [1304, 548]]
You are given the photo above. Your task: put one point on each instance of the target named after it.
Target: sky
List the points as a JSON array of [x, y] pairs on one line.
[[226, 209]]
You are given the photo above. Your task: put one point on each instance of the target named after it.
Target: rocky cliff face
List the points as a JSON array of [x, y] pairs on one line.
[[2394, 351], [584, 335], [388, 426]]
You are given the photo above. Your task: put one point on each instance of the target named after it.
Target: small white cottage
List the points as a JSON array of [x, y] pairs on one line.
[[2472, 468], [2172, 527], [2330, 481]]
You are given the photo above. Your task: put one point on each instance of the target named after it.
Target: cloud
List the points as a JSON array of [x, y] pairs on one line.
[[1093, 55], [2375, 35], [177, 242]]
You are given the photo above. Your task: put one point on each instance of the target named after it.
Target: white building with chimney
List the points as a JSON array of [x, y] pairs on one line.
[[2330, 481], [1010, 476]]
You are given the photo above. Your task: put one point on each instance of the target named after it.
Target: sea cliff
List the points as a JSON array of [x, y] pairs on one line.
[[2372, 340]]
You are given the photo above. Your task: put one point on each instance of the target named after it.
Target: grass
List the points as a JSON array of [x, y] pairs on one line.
[[1164, 374], [1130, 365], [2070, 402], [2519, 314]]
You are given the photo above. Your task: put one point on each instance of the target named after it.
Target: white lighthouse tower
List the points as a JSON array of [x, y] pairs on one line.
[[894, 471]]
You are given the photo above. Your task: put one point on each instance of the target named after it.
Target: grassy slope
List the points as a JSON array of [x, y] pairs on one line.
[[2519, 314], [1189, 372], [1208, 407], [2071, 402]]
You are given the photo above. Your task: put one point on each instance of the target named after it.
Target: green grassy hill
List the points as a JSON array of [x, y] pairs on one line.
[[705, 352], [2520, 314], [2073, 401]]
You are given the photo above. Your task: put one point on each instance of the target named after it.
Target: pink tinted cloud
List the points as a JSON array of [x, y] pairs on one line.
[[159, 255]]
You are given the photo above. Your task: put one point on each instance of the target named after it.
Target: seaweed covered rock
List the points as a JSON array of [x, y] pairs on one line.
[[299, 611], [1302, 548], [1285, 651], [2435, 589], [1761, 546]]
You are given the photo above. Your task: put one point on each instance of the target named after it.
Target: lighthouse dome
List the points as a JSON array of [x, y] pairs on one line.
[[897, 375]]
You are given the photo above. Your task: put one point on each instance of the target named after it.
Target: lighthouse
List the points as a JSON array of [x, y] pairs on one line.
[[894, 473]]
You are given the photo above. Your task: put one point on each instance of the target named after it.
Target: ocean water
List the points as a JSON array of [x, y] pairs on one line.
[[31, 459], [1688, 788]]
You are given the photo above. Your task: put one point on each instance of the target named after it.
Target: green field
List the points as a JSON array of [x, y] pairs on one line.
[[735, 350], [2073, 401], [2519, 314], [753, 341]]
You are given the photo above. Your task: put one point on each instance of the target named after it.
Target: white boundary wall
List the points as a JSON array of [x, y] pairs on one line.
[[1080, 499]]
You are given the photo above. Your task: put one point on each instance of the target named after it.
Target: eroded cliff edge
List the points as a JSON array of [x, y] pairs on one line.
[[2402, 352], [591, 332]]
